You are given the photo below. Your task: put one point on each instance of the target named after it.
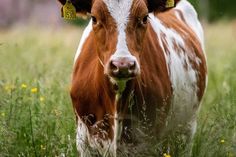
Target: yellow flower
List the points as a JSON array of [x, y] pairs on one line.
[[41, 98], [9, 88], [34, 90], [3, 114], [166, 155], [57, 112], [42, 147], [6, 87], [23, 85], [222, 141]]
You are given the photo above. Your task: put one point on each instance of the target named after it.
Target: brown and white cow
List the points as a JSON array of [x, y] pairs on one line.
[[136, 61]]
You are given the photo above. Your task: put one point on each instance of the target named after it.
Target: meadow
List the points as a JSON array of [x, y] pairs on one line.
[[36, 115]]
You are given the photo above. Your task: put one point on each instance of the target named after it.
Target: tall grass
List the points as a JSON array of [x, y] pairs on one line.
[[37, 123], [36, 115]]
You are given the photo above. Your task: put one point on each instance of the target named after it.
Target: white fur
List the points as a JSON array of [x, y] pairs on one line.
[[84, 36], [120, 11], [184, 81], [85, 142], [82, 139], [191, 18]]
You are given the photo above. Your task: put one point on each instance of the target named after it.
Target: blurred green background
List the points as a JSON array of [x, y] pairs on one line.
[[48, 12], [36, 60], [213, 10]]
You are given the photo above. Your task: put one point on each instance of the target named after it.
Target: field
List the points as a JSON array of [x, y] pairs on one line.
[[36, 115]]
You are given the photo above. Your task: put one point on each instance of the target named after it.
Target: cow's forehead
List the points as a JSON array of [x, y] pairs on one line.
[[119, 10]]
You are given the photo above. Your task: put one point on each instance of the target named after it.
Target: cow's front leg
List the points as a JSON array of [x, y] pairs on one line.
[[82, 139]]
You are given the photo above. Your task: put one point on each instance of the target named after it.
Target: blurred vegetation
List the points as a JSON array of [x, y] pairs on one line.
[[43, 12], [36, 115], [213, 10]]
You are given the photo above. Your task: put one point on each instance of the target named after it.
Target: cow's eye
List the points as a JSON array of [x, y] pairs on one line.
[[145, 19], [94, 19]]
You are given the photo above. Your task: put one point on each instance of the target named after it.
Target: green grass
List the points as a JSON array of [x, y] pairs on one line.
[[42, 123]]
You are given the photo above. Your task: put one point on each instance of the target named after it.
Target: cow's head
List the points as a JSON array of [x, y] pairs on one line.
[[119, 27]]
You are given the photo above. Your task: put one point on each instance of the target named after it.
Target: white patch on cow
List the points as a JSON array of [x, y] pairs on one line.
[[84, 36], [82, 139], [178, 15], [120, 11], [159, 28], [183, 80], [86, 143], [191, 18]]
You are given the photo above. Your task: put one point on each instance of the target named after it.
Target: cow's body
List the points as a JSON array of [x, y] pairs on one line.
[[166, 92]]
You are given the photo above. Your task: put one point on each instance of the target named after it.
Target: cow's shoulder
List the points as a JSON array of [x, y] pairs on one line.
[[185, 12]]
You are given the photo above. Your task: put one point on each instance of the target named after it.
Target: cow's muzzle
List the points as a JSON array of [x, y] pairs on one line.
[[121, 68]]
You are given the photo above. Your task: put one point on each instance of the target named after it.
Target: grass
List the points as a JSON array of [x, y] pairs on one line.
[[36, 115]]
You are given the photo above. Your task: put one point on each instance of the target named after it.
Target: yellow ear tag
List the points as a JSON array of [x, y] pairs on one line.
[[170, 3], [68, 11]]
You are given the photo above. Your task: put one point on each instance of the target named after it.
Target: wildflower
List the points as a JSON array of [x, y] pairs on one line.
[[222, 141], [42, 147], [41, 98], [6, 87], [9, 88], [166, 155], [3, 114], [57, 112], [23, 86], [34, 90]]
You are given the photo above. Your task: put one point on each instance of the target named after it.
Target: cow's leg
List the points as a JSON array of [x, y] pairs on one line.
[[189, 133], [185, 135], [82, 140], [180, 138]]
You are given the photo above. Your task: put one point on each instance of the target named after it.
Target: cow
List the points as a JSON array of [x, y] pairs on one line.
[[139, 62]]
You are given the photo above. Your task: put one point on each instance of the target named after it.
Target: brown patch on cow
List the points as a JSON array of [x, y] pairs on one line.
[[91, 91]]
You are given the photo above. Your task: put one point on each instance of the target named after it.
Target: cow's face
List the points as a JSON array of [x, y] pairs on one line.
[[119, 27]]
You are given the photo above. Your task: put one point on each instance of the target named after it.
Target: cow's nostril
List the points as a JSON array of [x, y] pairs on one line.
[[132, 66], [114, 67]]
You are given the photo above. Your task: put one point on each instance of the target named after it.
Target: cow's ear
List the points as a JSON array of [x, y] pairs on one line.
[[161, 5], [81, 6]]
